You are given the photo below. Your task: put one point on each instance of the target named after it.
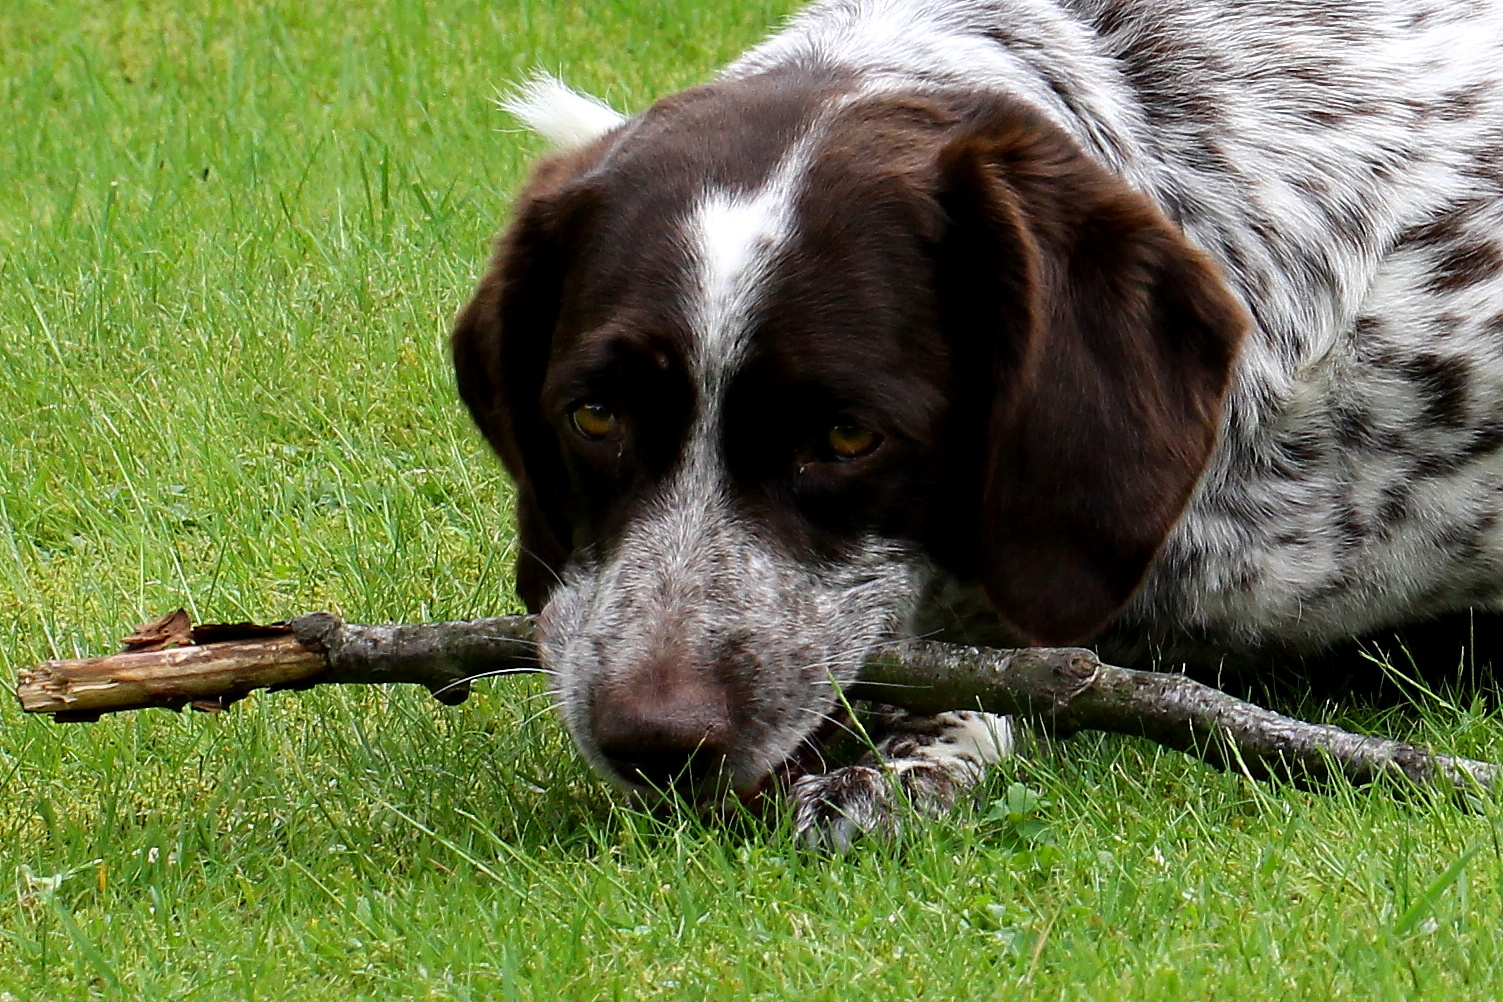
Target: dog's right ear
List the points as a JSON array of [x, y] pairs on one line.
[[501, 344]]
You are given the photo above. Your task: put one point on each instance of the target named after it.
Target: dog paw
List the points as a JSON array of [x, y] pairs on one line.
[[832, 809]]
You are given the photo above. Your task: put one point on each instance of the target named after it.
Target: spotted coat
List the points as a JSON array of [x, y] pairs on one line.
[[1340, 165]]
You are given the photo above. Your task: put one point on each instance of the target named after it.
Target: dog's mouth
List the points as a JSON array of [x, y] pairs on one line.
[[807, 758], [711, 787]]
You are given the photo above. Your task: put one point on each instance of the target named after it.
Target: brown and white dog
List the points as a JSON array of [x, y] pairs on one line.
[[1176, 323]]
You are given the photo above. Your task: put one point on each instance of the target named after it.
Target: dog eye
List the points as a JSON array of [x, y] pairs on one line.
[[593, 420], [849, 441]]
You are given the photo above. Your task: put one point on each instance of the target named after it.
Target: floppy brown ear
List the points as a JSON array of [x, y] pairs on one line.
[[501, 343], [1107, 344]]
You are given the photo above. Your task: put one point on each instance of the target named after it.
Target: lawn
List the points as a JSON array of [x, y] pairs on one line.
[[232, 235]]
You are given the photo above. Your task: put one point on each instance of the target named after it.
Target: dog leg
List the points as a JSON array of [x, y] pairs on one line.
[[926, 761]]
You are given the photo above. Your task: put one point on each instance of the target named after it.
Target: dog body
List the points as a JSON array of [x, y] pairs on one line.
[[1173, 324]]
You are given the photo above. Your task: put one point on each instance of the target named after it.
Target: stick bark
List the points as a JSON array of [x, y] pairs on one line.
[[1067, 689], [1071, 690]]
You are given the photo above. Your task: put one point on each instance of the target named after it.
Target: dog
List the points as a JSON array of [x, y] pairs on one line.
[[1173, 326]]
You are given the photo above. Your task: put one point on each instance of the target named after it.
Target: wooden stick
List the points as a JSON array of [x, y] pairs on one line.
[[229, 661], [1073, 691], [1068, 689]]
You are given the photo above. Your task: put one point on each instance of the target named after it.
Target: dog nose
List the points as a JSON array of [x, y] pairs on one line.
[[663, 735]]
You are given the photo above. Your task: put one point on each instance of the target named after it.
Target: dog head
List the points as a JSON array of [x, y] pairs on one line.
[[766, 358]]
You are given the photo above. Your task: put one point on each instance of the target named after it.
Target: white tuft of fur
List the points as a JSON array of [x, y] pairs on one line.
[[561, 115]]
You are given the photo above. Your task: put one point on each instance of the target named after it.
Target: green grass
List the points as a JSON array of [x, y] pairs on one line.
[[231, 237]]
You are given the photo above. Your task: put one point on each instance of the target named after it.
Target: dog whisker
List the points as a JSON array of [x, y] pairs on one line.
[[540, 562], [501, 638], [526, 721], [491, 674], [825, 718]]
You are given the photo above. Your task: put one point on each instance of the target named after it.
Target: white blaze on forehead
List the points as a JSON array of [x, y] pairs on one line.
[[734, 239]]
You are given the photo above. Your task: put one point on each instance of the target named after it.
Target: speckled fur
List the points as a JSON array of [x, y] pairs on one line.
[[1342, 161], [921, 763], [691, 567]]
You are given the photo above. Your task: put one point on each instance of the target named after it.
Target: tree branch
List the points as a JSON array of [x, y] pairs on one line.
[[1068, 689]]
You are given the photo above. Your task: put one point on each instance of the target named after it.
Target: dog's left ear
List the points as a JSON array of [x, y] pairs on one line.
[[1099, 345]]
